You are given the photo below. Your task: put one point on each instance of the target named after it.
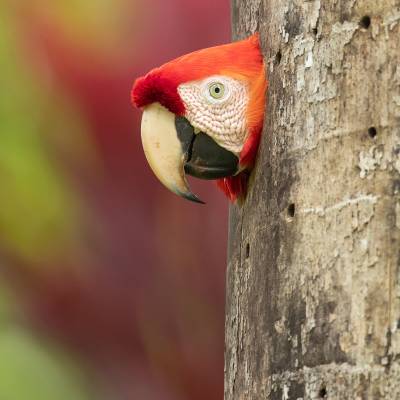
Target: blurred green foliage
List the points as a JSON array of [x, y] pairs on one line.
[[94, 280], [36, 223], [100, 24], [36, 207], [31, 371]]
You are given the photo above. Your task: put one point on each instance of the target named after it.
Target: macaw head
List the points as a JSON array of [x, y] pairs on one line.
[[203, 115]]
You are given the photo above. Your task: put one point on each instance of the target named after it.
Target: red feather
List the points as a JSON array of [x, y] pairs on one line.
[[156, 87], [234, 187]]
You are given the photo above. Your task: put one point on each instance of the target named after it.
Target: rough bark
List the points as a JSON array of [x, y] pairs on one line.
[[313, 290]]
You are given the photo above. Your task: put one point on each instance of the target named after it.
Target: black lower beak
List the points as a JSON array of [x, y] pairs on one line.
[[205, 159]]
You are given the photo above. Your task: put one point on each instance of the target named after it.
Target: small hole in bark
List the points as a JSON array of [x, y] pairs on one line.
[[372, 132], [291, 210], [278, 57], [247, 250], [365, 21], [322, 393], [315, 31]]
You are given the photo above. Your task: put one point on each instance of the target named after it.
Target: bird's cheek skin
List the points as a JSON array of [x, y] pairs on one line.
[[224, 122], [164, 150]]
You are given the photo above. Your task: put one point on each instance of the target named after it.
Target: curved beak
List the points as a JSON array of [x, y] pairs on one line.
[[164, 151], [172, 148]]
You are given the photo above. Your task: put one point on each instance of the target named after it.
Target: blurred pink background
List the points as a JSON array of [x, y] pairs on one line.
[[112, 285]]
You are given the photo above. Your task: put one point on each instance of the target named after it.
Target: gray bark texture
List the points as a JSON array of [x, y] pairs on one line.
[[313, 280]]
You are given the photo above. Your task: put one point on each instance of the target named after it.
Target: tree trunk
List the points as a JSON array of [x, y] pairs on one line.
[[313, 291]]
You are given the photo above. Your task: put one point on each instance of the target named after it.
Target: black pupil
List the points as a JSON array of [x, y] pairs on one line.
[[217, 90]]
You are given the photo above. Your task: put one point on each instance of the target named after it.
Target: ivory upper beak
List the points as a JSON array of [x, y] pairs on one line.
[[164, 151]]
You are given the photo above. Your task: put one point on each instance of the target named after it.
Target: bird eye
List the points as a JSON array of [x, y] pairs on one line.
[[217, 90]]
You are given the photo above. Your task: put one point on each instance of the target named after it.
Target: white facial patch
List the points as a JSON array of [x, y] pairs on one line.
[[217, 106]]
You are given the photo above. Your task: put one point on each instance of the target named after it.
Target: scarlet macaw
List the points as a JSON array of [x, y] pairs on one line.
[[203, 115]]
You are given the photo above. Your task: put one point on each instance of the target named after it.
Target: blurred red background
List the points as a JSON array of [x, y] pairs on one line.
[[101, 261]]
